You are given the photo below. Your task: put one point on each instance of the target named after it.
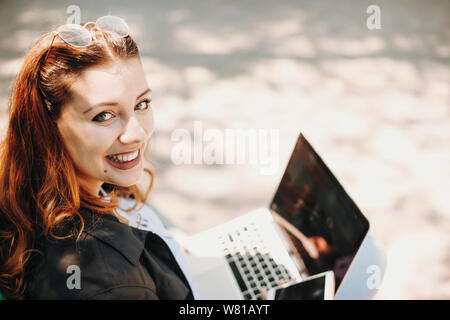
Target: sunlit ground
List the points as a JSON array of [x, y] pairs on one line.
[[373, 103]]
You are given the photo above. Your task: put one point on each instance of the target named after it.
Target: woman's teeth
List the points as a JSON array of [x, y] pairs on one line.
[[124, 157]]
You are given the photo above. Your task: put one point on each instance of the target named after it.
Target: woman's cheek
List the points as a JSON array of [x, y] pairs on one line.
[[150, 125]]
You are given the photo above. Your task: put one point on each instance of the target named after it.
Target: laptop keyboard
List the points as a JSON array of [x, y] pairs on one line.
[[251, 262]]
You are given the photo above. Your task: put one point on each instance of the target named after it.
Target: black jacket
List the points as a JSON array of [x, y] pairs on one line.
[[113, 260]]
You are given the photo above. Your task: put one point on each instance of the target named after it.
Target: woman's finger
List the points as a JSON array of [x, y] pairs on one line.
[[263, 292]]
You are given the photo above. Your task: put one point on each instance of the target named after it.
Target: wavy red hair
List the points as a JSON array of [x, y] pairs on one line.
[[38, 180]]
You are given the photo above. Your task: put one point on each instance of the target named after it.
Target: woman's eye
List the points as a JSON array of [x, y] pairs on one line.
[[103, 116], [143, 105]]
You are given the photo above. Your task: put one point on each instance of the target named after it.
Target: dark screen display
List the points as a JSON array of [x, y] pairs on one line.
[[313, 289], [311, 199]]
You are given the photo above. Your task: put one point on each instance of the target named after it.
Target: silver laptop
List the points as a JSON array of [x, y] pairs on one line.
[[310, 227]]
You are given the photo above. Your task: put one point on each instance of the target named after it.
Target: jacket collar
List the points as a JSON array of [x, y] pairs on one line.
[[128, 241]]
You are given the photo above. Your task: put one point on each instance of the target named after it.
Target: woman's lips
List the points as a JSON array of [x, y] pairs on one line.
[[126, 164]]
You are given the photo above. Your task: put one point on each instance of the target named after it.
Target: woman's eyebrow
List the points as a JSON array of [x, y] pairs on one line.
[[143, 93], [113, 103]]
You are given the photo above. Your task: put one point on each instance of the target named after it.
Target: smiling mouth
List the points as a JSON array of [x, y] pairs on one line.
[[124, 161]]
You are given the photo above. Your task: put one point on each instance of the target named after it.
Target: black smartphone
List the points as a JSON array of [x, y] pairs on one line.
[[316, 287]]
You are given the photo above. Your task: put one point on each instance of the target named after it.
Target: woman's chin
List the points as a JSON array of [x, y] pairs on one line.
[[126, 182]]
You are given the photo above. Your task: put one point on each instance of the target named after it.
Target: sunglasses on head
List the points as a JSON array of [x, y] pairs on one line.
[[79, 36]]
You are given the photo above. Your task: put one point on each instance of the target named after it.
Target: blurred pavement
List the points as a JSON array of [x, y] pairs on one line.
[[373, 103]]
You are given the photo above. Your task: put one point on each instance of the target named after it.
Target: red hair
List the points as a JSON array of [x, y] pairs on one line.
[[38, 180]]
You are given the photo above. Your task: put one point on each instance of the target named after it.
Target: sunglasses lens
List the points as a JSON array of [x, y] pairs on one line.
[[75, 35], [114, 25]]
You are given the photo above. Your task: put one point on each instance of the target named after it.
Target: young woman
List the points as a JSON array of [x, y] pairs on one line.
[[80, 123]]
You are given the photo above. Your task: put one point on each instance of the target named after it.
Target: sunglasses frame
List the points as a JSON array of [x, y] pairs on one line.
[[96, 23]]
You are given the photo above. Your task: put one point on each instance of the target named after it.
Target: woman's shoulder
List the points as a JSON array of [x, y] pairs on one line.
[[82, 268]]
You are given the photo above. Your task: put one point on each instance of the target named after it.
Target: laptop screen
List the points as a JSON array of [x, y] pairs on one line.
[[311, 199]]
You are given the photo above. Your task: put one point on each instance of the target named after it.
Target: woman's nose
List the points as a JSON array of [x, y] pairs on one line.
[[133, 132]]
